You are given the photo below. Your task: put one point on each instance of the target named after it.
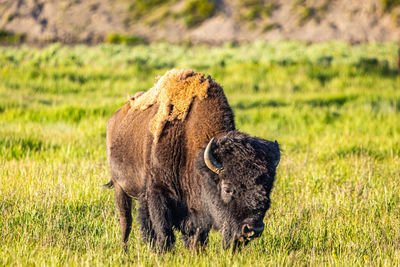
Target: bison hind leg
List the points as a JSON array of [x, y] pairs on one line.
[[144, 221], [124, 203]]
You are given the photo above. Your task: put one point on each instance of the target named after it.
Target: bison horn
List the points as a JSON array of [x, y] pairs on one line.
[[209, 159]]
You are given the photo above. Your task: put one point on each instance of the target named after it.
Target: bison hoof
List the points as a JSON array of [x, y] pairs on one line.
[[165, 244]]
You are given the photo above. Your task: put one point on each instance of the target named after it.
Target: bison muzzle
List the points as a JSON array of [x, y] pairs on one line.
[[176, 151]]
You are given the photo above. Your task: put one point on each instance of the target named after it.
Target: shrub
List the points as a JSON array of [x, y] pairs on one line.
[[117, 38], [270, 26], [306, 14], [196, 11], [389, 4], [140, 7], [253, 9], [7, 37]]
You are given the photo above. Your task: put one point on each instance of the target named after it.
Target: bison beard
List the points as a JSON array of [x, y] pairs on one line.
[[192, 173]]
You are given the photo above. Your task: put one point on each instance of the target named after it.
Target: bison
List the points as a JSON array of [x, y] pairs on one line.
[[176, 151]]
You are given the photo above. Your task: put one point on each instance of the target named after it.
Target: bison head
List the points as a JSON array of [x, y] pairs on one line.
[[238, 174]]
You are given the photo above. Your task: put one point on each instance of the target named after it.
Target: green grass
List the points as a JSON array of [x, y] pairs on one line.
[[333, 108]]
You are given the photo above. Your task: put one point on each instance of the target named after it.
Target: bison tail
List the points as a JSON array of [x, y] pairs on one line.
[[109, 185]]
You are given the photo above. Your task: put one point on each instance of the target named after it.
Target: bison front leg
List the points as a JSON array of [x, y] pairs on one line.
[[124, 203], [161, 218], [195, 231], [196, 240]]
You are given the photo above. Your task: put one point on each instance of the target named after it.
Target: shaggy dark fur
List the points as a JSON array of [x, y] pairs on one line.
[[174, 187]]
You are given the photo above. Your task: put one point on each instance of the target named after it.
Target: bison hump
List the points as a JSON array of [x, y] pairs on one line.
[[174, 93]]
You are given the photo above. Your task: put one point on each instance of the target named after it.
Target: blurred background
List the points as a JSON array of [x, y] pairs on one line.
[[321, 77], [198, 21]]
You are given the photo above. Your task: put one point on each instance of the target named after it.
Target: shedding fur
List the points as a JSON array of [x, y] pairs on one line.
[[174, 93]]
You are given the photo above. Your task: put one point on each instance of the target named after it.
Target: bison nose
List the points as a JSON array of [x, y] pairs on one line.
[[251, 231]]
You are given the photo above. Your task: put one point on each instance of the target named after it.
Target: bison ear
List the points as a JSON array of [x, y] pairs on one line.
[[276, 162]]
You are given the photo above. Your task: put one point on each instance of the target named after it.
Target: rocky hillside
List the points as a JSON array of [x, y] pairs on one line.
[[198, 21]]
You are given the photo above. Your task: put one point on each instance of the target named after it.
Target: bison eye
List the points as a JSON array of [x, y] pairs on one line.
[[227, 192]]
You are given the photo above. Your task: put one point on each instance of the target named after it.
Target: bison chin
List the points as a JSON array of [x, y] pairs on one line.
[[239, 238], [235, 242]]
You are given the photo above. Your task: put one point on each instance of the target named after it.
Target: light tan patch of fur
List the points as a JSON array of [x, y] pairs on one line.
[[173, 92]]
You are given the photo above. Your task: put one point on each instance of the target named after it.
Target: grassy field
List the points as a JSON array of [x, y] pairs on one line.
[[334, 108]]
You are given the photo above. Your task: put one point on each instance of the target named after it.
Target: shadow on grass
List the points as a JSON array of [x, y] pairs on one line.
[[373, 66], [243, 105], [338, 101], [20, 147], [366, 151], [324, 101]]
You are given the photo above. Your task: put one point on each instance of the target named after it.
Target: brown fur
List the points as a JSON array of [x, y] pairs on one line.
[[130, 141], [154, 149]]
